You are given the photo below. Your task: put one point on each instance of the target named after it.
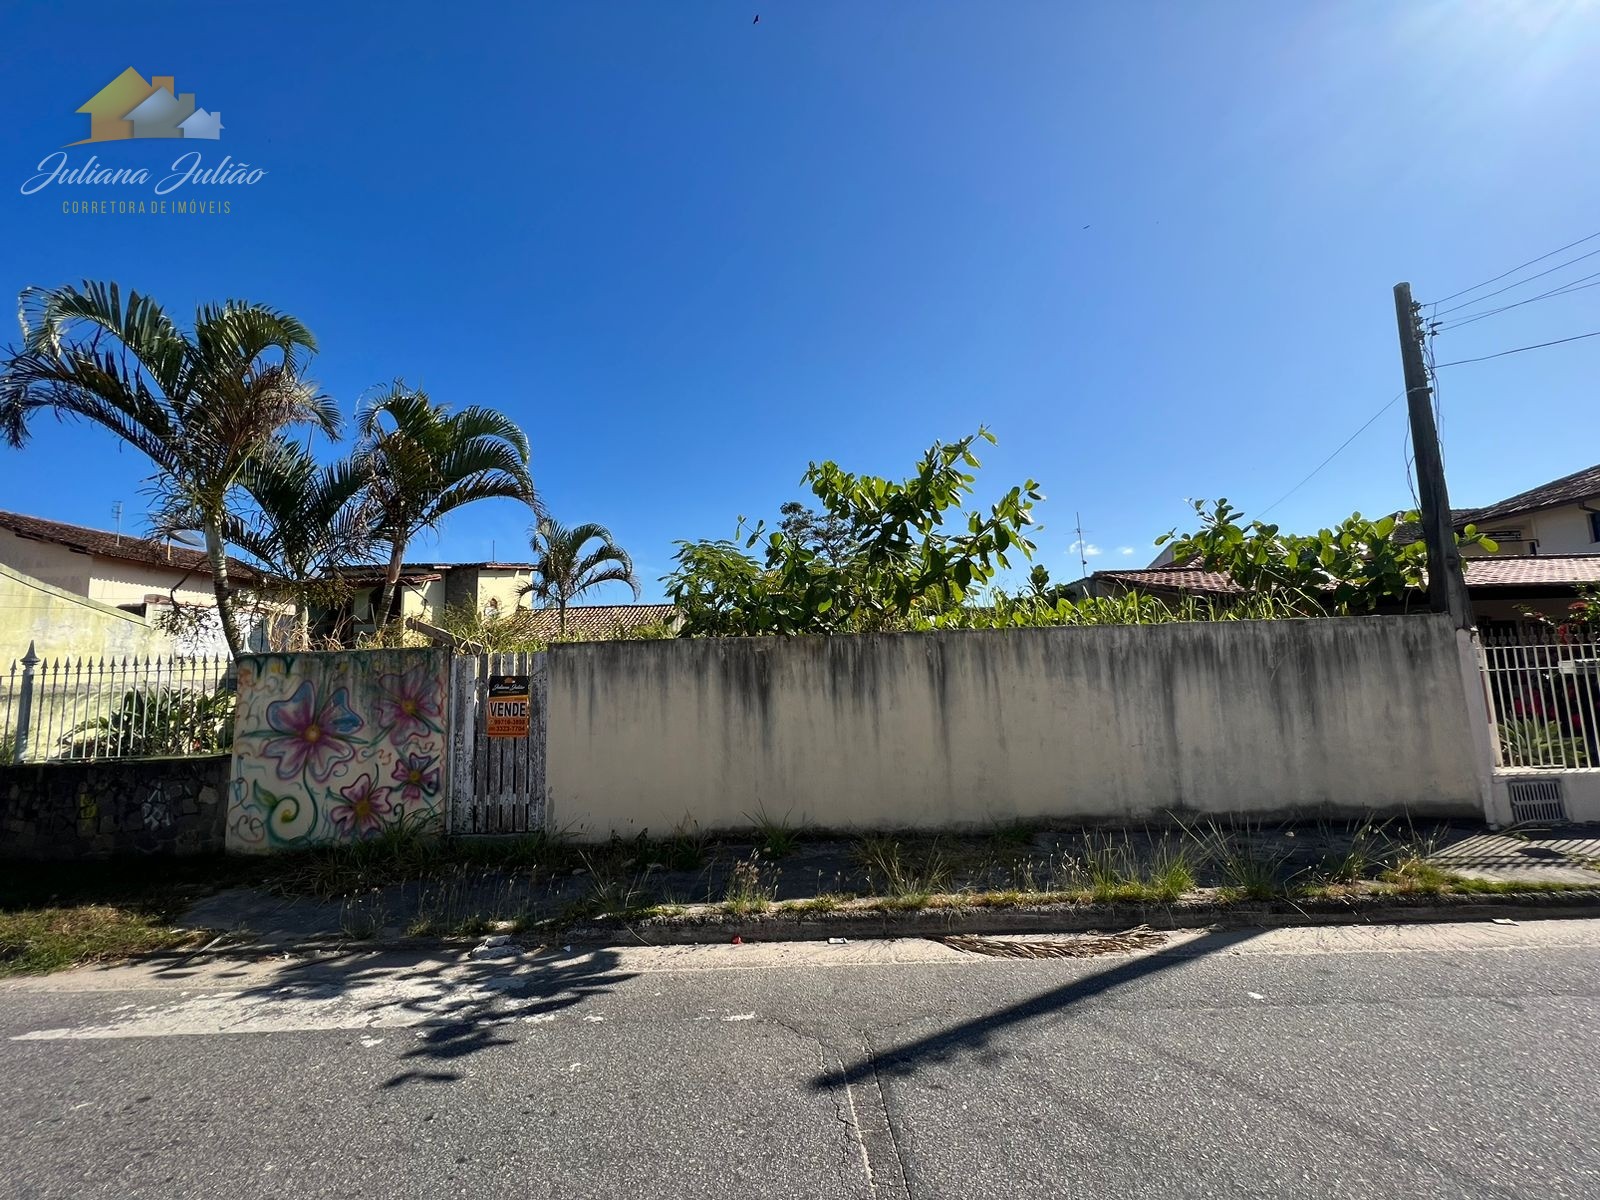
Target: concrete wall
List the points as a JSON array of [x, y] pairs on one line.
[[337, 747], [59, 623], [93, 810], [1279, 718]]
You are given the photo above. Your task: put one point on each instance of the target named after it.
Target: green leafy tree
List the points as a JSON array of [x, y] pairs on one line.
[[202, 404], [564, 570], [908, 552], [1355, 567], [827, 534], [421, 462]]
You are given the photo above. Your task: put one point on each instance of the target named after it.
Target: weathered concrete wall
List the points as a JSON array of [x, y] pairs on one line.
[[337, 747], [93, 810], [59, 623], [961, 729]]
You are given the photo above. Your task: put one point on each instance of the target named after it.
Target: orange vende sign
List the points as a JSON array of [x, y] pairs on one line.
[[508, 706]]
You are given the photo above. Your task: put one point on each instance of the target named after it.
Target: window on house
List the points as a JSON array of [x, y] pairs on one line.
[[1594, 527]]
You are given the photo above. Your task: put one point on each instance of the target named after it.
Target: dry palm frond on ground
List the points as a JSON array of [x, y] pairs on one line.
[[1141, 937]]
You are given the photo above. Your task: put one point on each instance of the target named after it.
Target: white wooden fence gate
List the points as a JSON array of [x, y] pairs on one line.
[[496, 784]]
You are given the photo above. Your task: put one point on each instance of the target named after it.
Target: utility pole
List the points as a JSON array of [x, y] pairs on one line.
[[1447, 587]]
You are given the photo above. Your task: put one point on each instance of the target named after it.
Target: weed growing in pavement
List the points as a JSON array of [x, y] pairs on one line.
[[752, 885], [616, 887], [470, 901], [1368, 849], [362, 914], [1248, 869], [1415, 875], [775, 837], [902, 874], [686, 849]]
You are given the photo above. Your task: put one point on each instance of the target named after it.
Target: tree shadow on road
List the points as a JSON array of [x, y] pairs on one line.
[[461, 1006], [974, 1036]]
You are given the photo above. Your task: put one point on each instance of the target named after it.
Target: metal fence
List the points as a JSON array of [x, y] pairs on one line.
[[88, 708], [1543, 686]]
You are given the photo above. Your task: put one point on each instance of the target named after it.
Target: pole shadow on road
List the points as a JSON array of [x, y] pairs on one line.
[[973, 1036]]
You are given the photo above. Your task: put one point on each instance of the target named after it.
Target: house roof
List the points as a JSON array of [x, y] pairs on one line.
[[1183, 578], [1531, 570], [368, 575], [1406, 532], [124, 547], [1490, 571], [1569, 489], [436, 569], [599, 620]]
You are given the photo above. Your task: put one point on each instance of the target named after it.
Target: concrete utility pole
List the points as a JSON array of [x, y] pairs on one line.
[[1447, 587]]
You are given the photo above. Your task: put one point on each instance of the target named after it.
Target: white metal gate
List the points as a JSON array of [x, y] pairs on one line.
[[497, 784]]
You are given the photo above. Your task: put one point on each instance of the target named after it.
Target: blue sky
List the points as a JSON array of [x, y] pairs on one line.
[[1151, 244]]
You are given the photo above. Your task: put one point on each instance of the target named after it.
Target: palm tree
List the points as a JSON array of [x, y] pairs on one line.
[[202, 405], [562, 571], [421, 461], [308, 521]]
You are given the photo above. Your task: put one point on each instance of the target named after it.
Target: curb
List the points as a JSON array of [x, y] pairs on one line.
[[711, 927], [695, 928]]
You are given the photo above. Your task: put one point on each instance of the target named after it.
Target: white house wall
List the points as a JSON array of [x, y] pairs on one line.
[[1555, 530]]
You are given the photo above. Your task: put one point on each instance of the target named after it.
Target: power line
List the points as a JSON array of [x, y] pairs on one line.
[[1577, 285], [1577, 337], [1511, 286], [1513, 271], [1332, 456]]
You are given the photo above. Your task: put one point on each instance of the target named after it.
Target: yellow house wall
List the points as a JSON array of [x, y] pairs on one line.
[[501, 587]]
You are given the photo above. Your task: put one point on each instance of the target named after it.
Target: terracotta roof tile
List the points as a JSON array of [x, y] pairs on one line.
[[1532, 570], [1175, 578], [122, 547], [1569, 489], [1490, 571], [599, 621]]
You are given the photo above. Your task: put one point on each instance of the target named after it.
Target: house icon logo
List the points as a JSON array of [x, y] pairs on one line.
[[131, 107]]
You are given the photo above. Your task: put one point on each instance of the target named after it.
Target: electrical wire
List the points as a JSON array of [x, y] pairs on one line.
[[1410, 462], [1365, 425], [1577, 285], [1509, 287], [1578, 337], [1513, 271]]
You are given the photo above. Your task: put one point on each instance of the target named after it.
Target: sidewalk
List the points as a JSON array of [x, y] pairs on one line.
[[828, 882]]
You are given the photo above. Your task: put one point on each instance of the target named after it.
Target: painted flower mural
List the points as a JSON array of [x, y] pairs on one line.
[[417, 775], [308, 738], [363, 809], [410, 705], [337, 747]]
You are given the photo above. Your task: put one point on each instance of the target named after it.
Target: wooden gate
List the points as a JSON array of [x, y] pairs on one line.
[[497, 783]]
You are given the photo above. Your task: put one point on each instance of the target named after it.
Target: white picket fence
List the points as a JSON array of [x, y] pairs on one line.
[[101, 708]]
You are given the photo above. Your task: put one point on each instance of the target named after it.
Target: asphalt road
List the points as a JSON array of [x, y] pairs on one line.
[[1446, 1061]]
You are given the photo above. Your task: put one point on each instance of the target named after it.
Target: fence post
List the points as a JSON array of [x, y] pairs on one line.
[[25, 697]]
